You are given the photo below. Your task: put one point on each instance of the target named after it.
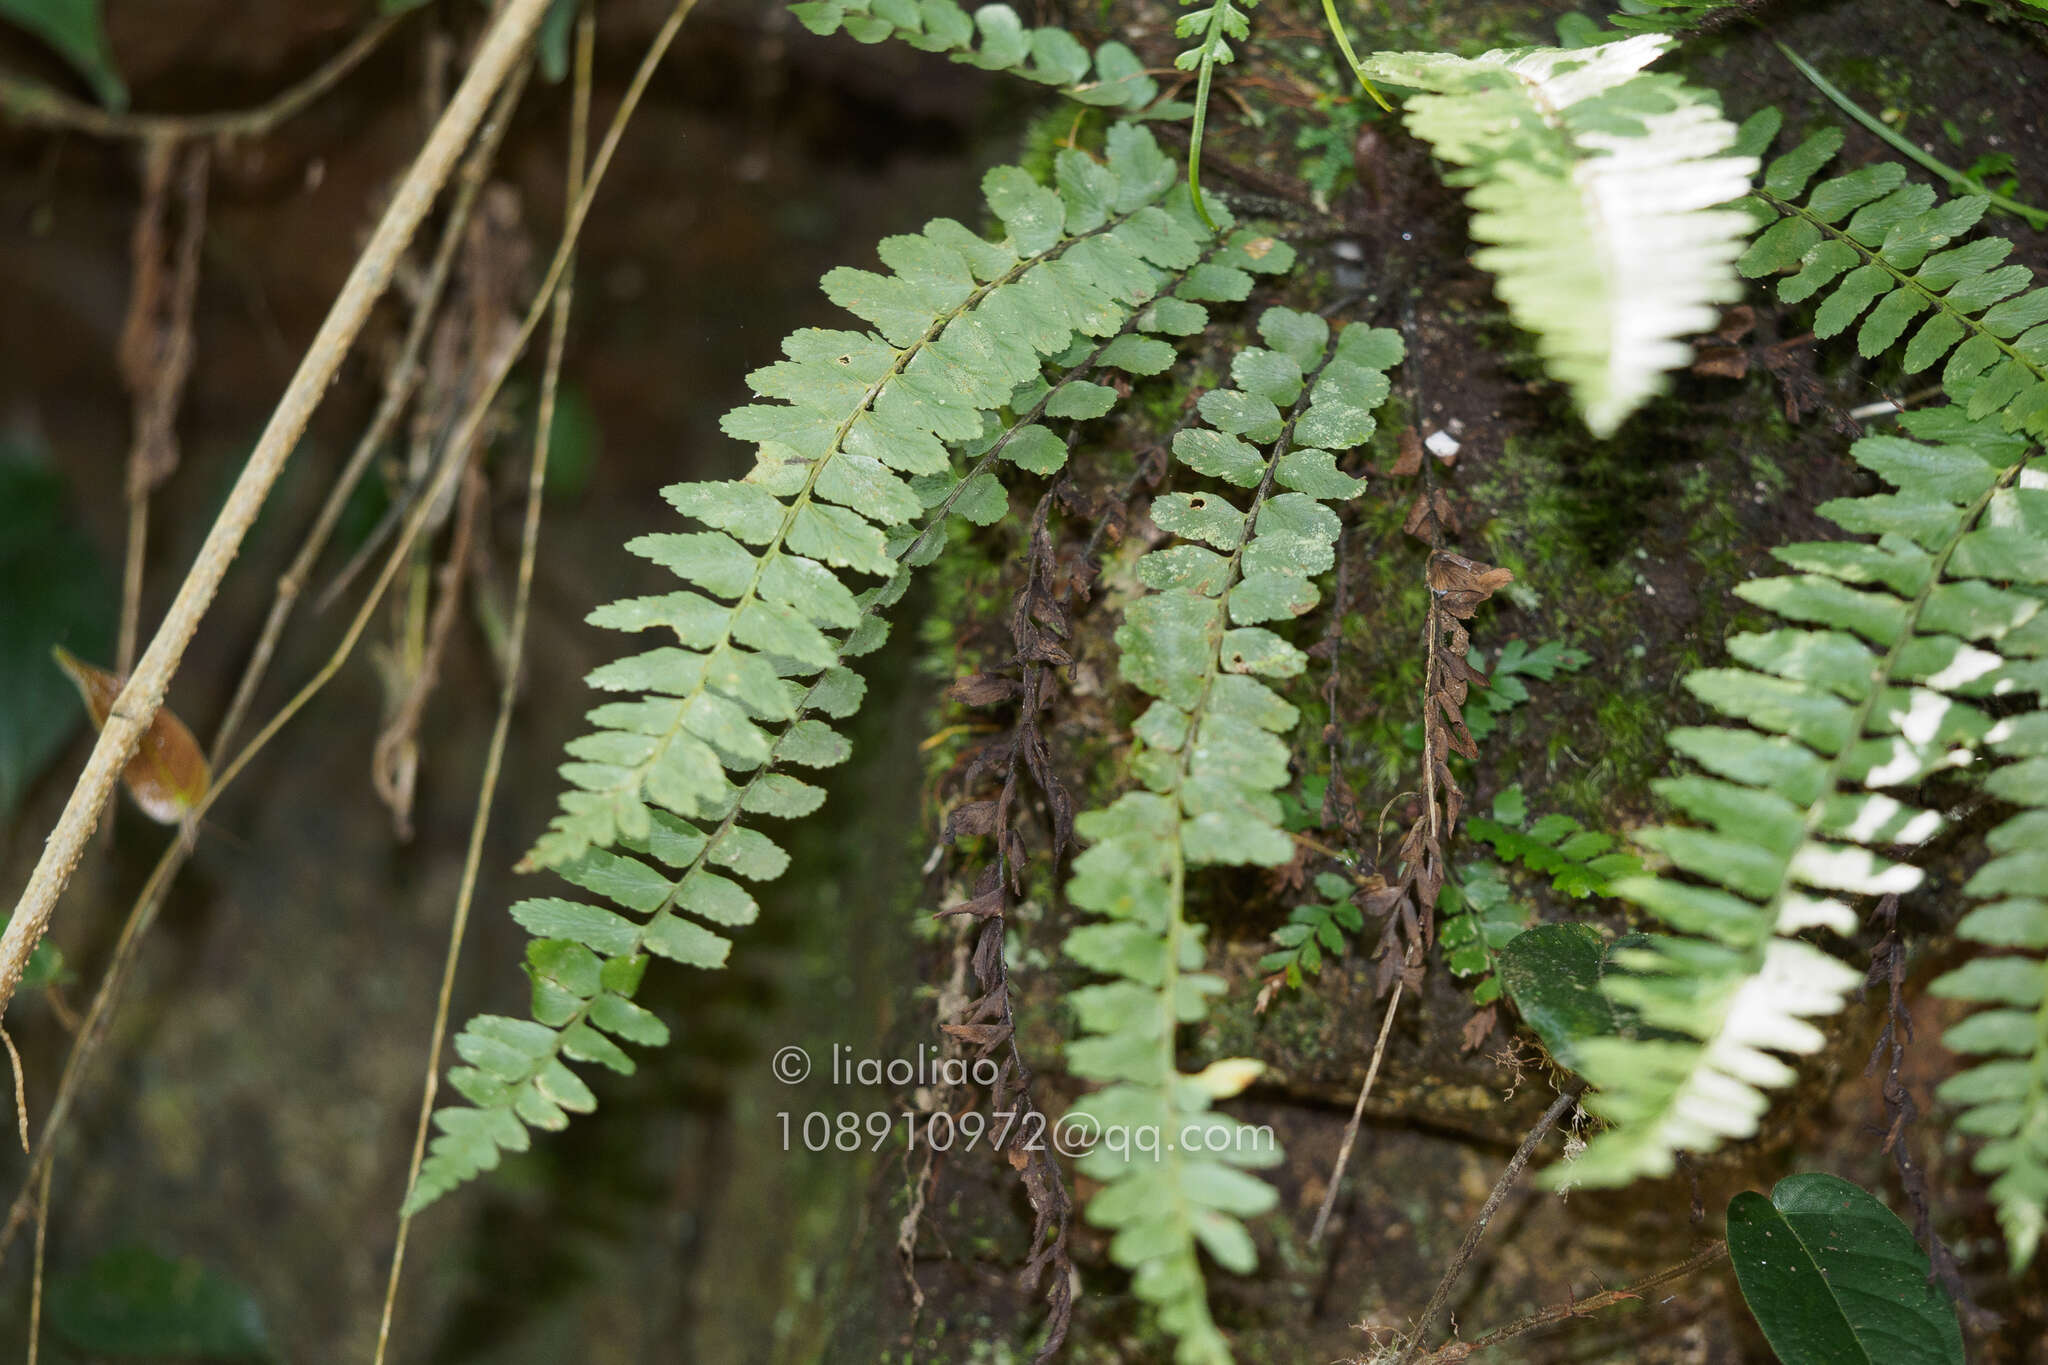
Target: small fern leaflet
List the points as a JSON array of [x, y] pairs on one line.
[[994, 39]]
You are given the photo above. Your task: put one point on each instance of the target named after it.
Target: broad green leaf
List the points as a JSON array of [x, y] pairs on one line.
[[1834, 1278]]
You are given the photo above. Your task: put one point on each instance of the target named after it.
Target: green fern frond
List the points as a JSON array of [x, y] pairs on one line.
[[1600, 191], [1213, 28], [1210, 761], [1907, 628], [1313, 929], [857, 443], [1578, 862], [2005, 1099], [1870, 246], [1477, 916], [1675, 16], [994, 39]]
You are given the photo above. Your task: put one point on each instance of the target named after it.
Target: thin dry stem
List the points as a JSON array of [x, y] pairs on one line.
[[1458, 1351], [1372, 1073], [39, 106], [578, 195], [20, 1088], [497, 56], [399, 384], [35, 1302], [142, 914], [1559, 1107]]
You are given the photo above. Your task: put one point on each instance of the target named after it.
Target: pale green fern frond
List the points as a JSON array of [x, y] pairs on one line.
[[1599, 191], [1210, 761], [856, 444], [994, 39], [1871, 246], [1943, 607]]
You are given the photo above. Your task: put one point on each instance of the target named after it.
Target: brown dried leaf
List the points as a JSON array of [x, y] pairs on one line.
[[1478, 1028], [971, 819], [980, 1035], [1419, 515], [168, 775], [984, 906], [1408, 459], [1720, 362], [982, 689], [1736, 323], [1454, 573]]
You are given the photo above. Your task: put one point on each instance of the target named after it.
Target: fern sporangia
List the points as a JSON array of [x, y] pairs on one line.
[[994, 39], [1908, 628], [1209, 761], [854, 448], [1596, 188], [1868, 245]]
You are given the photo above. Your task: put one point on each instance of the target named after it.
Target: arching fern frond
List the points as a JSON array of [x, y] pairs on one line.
[[1210, 760], [994, 39], [1870, 246], [1599, 191], [855, 445], [1905, 630]]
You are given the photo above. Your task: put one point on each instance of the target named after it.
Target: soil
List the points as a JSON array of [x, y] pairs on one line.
[[255, 1106]]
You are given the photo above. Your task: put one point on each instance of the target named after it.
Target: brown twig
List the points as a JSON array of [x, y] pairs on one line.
[[1559, 1107], [89, 1031], [500, 53], [39, 106], [151, 898], [1457, 1351], [1372, 1072], [35, 1301]]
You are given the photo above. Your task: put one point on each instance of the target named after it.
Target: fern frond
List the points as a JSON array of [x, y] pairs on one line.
[[1210, 761], [1313, 929], [1600, 190], [1212, 28], [2005, 1099], [1907, 629], [1477, 916], [994, 39], [1870, 246], [855, 447], [1677, 16]]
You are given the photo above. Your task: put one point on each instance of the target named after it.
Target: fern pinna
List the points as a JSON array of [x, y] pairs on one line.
[[665, 793], [1911, 631], [1595, 187], [2005, 1099], [1209, 759], [1868, 245], [994, 39]]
